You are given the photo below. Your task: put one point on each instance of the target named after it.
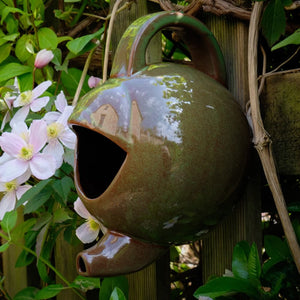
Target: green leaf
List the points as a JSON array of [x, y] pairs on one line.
[[5, 51], [63, 187], [26, 294], [41, 238], [239, 262], [61, 215], [273, 21], [8, 38], [110, 283], [42, 221], [36, 196], [20, 230], [47, 39], [7, 10], [71, 81], [78, 44], [25, 82], [276, 248], [117, 294], [12, 70], [294, 39], [86, 283], [294, 207], [4, 247], [254, 267], [49, 291], [21, 50], [224, 285], [9, 221]]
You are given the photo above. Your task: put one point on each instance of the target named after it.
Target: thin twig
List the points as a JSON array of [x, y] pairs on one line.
[[261, 139], [83, 75], [108, 38], [264, 68]]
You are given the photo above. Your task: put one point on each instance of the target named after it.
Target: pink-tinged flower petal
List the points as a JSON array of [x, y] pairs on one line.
[[81, 209], [51, 117], [5, 119], [19, 116], [63, 118], [20, 129], [2, 186], [86, 234], [22, 190], [43, 58], [5, 157], [38, 134], [55, 149], [7, 203], [61, 102], [11, 143], [39, 103], [68, 138], [42, 166], [93, 81], [24, 177], [12, 169], [41, 88]]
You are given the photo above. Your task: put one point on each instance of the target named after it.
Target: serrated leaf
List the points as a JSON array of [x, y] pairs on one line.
[[254, 266], [224, 285], [49, 291], [78, 44], [294, 39], [12, 70], [47, 38], [9, 221], [273, 21], [239, 262]]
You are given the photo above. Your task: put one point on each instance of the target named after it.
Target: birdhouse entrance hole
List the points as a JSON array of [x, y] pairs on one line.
[[98, 161]]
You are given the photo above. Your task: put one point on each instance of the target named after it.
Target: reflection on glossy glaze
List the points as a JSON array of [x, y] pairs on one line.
[[160, 157]]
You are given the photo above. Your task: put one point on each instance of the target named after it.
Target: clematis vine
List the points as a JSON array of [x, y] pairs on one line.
[[12, 191], [25, 154], [30, 100], [89, 230]]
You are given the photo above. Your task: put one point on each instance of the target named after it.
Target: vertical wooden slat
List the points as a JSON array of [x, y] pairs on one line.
[[244, 223], [15, 278], [65, 262]]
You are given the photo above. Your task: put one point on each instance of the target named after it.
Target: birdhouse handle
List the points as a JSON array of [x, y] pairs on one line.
[[205, 52]]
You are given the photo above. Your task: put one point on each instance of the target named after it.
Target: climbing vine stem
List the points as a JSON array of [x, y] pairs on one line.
[[261, 139]]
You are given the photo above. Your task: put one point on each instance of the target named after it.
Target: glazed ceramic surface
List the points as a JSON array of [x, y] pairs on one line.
[[161, 151]]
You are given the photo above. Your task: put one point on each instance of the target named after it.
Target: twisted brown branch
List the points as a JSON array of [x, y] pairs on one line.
[[262, 141]]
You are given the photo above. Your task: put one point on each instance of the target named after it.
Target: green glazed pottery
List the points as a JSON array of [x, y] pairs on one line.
[[162, 148]]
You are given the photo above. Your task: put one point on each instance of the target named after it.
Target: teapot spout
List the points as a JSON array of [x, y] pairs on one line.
[[117, 254]]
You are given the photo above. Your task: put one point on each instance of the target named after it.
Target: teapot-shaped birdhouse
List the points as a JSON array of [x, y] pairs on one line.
[[161, 149]]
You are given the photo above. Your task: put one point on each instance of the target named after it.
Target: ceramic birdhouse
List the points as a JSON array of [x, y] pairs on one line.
[[162, 148]]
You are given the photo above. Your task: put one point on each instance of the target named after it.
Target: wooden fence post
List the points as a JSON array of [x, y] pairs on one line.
[[244, 223]]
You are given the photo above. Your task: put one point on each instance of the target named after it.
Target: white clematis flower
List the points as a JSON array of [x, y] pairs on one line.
[[89, 230]]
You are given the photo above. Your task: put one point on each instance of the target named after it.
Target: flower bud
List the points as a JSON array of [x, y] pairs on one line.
[[93, 81], [42, 58]]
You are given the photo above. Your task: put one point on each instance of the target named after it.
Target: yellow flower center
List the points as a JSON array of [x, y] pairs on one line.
[[54, 129], [26, 153], [10, 186], [25, 97], [93, 224]]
